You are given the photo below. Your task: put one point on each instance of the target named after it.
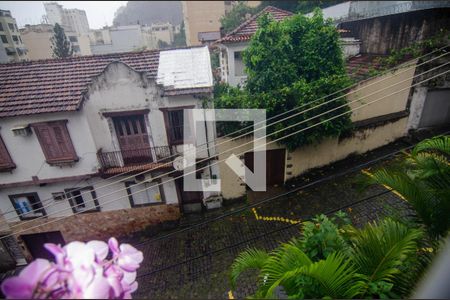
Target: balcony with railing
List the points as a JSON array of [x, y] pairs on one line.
[[115, 162]]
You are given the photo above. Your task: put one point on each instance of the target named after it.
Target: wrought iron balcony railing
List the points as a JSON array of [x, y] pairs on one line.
[[133, 157]]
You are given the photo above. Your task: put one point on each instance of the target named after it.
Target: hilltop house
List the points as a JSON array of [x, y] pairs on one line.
[[68, 127], [232, 44]]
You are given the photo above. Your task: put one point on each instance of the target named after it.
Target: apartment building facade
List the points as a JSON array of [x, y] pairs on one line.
[[37, 39], [87, 142], [74, 19], [13, 48]]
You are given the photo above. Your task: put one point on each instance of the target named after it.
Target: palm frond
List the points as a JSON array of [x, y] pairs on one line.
[[284, 259], [413, 192], [378, 249], [248, 259], [438, 143], [335, 277]]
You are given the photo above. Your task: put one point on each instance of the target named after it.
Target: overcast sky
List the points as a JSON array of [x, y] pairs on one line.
[[99, 13]]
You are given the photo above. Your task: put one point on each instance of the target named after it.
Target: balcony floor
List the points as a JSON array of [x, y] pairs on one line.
[[135, 168]]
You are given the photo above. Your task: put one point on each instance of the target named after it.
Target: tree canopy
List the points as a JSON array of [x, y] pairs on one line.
[[60, 43], [290, 64], [237, 16], [179, 39], [240, 11]]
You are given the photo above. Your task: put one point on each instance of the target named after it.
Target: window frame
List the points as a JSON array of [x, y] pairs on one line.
[[11, 25], [70, 157], [166, 111], [8, 164], [82, 190], [33, 194], [237, 56], [3, 37], [128, 185]]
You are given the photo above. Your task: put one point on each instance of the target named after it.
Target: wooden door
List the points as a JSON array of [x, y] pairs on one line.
[[188, 197], [35, 243], [275, 162], [133, 139]]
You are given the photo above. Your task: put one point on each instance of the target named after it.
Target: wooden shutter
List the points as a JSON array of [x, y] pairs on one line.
[[6, 162], [55, 141]]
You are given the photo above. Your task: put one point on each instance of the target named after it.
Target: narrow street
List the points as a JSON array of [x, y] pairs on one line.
[[176, 267]]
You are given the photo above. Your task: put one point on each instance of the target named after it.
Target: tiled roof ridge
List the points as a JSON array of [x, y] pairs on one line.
[[254, 17], [85, 57]]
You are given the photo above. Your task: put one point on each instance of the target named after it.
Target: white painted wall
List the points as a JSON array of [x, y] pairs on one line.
[[27, 154], [228, 64], [111, 197]]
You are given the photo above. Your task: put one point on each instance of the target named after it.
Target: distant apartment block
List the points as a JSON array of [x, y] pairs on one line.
[[74, 19], [202, 16], [37, 38], [12, 47], [202, 19], [130, 38]]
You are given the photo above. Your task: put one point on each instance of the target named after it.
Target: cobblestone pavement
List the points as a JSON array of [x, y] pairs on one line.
[[166, 274]]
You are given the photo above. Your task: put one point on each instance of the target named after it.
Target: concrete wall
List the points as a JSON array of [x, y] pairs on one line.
[[102, 226], [333, 149], [382, 87], [38, 44], [381, 35], [306, 158]]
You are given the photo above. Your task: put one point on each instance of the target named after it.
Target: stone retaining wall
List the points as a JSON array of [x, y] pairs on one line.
[[99, 225]]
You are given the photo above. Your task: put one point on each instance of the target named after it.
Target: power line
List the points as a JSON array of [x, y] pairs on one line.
[[241, 209], [301, 130], [286, 128], [234, 138], [113, 200], [258, 236]]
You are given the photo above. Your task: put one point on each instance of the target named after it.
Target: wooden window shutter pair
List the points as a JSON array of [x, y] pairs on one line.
[[55, 141]]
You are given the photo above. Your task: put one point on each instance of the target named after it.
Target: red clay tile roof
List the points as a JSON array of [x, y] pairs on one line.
[[245, 31], [55, 85], [359, 67]]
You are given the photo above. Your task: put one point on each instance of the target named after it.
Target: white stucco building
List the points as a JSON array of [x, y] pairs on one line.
[[77, 133]]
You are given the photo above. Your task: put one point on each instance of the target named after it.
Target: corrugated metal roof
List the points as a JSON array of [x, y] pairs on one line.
[[185, 68]]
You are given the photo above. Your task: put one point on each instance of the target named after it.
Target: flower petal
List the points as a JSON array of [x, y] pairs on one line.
[[100, 248], [57, 252], [79, 254], [98, 289], [114, 245], [17, 288], [35, 270]]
